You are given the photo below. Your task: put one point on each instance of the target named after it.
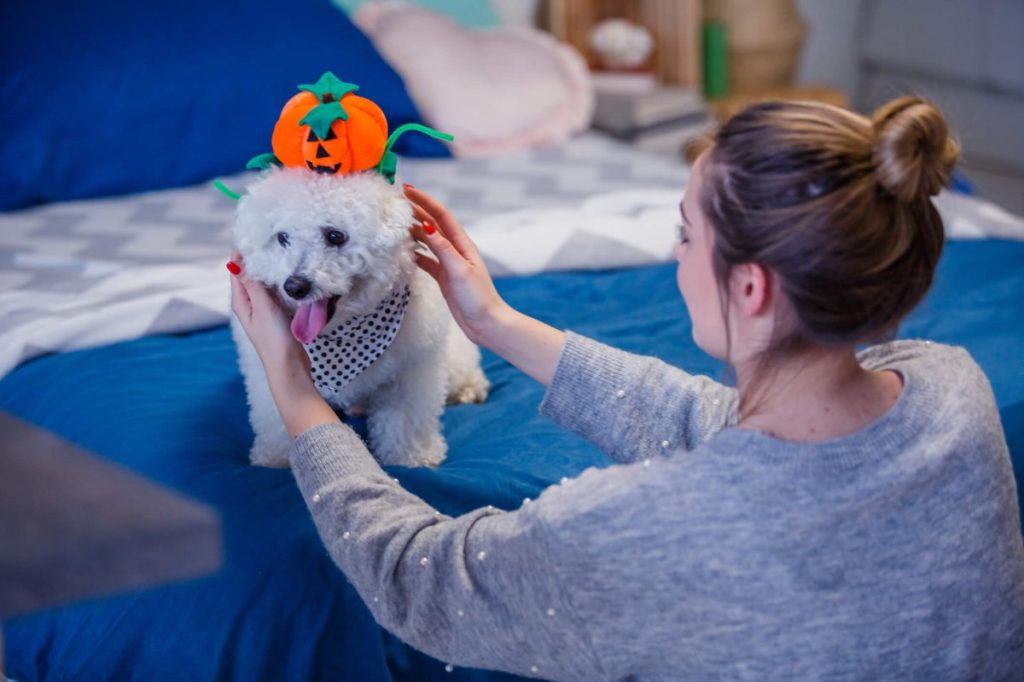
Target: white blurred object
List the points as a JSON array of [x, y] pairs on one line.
[[621, 44], [623, 82], [495, 90], [516, 12]]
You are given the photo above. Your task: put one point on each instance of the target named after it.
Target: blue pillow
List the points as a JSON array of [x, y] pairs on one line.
[[106, 97]]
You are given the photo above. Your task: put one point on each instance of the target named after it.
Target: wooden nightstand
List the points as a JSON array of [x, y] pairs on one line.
[[729, 105], [674, 24]]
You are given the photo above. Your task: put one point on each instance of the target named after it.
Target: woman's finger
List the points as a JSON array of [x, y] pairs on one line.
[[448, 256], [420, 213], [419, 234], [258, 294], [428, 265], [240, 303], [258, 301], [434, 208], [445, 221], [416, 231]]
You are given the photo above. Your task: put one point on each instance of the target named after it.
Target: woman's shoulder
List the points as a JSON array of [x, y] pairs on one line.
[[944, 387], [946, 398], [936, 362], [909, 349]]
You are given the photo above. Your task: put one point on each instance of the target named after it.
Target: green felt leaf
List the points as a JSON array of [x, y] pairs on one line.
[[263, 162], [329, 88], [322, 116], [388, 166]]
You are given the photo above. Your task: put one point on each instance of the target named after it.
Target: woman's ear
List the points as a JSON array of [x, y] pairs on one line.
[[752, 289]]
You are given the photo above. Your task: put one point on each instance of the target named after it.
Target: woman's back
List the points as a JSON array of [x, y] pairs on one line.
[[894, 552]]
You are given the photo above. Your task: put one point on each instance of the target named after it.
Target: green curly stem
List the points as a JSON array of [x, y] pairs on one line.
[[388, 165], [228, 192]]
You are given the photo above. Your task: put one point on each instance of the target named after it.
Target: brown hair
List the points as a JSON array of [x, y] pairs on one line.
[[837, 206]]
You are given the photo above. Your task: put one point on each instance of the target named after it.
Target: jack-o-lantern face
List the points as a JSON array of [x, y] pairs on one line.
[[329, 130], [325, 151]]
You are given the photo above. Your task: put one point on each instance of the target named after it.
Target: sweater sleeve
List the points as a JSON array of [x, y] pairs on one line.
[[633, 407], [479, 590]]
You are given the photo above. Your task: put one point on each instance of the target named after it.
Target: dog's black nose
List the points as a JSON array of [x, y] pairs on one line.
[[297, 287]]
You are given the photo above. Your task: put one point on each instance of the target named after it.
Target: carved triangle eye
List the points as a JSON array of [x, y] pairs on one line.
[[330, 135], [312, 136]]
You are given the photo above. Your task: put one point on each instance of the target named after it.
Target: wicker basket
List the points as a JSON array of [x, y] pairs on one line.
[[765, 40]]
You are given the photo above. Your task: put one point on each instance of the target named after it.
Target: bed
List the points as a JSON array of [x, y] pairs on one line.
[[113, 335]]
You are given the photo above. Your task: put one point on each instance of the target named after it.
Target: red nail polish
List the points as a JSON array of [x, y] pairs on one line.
[[233, 268], [428, 227], [408, 186]]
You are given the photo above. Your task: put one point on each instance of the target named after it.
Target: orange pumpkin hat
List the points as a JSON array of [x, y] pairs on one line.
[[328, 129]]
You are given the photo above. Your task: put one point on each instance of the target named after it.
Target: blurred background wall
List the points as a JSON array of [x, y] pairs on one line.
[[966, 55], [830, 51]]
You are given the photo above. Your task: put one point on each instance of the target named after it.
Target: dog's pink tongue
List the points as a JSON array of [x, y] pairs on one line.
[[309, 319]]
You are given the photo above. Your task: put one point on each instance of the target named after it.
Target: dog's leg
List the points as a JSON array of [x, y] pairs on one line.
[[404, 422], [466, 382], [272, 444]]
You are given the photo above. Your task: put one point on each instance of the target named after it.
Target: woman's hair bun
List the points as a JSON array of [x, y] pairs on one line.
[[913, 151]]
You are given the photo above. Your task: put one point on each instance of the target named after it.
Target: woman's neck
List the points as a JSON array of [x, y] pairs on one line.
[[814, 396]]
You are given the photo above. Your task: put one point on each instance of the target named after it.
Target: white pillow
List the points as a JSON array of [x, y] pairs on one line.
[[493, 89]]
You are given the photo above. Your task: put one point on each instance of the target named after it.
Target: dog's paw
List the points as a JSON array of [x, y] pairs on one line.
[[429, 453], [264, 453], [473, 391], [432, 455]]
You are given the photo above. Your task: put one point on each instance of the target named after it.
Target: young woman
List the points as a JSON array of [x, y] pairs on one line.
[[837, 515]]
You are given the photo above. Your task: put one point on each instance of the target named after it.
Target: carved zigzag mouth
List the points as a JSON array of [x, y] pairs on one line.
[[327, 170]]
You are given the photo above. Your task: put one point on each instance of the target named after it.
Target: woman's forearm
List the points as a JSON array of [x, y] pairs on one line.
[[527, 343], [297, 399]]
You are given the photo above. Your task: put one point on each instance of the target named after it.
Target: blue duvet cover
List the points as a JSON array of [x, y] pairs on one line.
[[173, 409]]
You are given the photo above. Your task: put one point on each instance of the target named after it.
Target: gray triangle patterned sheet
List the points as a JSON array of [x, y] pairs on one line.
[[87, 273]]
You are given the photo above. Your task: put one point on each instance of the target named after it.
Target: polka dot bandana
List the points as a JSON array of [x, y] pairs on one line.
[[341, 355]]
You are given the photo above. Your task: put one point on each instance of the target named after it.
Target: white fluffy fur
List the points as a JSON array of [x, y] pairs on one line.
[[404, 391]]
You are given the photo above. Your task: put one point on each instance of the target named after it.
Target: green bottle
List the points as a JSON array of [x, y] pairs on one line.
[[715, 49]]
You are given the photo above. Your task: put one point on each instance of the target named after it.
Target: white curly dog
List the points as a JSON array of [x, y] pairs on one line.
[[338, 253]]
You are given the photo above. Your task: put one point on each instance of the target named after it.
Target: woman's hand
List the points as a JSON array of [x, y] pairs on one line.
[[284, 360], [460, 271], [266, 324], [487, 320]]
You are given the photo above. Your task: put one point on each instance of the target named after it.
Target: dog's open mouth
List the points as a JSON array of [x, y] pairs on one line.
[[329, 170], [311, 318]]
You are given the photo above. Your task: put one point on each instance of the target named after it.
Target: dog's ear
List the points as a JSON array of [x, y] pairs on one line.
[[394, 212], [244, 226], [251, 227]]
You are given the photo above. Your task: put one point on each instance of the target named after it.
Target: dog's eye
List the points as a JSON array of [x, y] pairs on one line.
[[282, 238], [334, 237]]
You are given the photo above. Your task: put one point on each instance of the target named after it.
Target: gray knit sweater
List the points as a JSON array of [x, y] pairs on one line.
[[709, 552]]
